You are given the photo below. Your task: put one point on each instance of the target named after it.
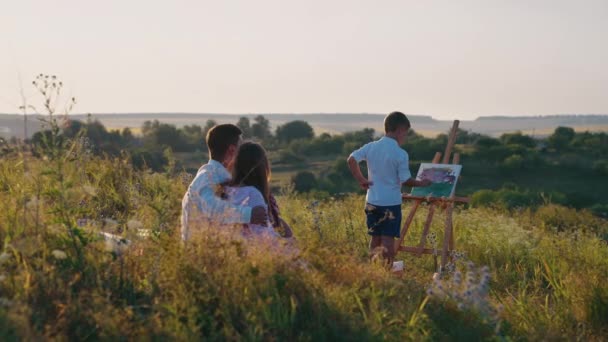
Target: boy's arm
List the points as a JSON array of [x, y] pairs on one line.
[[404, 173], [353, 165], [417, 183]]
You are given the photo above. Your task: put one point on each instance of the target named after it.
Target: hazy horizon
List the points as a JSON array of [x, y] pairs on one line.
[[441, 59], [515, 116]]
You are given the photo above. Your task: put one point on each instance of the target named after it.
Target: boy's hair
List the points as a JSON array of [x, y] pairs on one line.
[[395, 120], [219, 138]]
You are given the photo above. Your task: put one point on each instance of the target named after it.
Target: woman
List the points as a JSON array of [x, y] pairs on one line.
[[250, 187]]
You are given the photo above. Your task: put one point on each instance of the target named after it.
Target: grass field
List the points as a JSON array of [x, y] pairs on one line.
[[59, 279]]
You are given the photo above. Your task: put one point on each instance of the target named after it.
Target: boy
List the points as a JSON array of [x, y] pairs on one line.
[[387, 169], [200, 203]]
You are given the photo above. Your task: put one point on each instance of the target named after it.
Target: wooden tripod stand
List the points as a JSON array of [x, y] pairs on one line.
[[442, 202]]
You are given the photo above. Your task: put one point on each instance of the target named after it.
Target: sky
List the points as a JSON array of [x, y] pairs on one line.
[[448, 59]]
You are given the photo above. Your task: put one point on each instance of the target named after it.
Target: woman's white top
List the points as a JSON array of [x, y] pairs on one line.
[[250, 196]]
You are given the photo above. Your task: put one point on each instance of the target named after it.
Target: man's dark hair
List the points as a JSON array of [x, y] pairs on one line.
[[395, 120], [220, 137]]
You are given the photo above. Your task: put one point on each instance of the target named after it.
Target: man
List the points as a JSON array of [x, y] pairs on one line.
[[201, 204]]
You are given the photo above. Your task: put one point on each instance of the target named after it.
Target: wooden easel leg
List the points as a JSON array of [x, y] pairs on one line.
[[427, 227], [448, 236], [406, 225], [451, 246], [450, 227]]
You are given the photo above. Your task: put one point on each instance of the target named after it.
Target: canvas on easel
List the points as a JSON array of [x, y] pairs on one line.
[[443, 179], [442, 195]]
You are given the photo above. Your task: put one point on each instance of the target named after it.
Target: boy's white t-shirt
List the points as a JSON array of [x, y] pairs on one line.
[[250, 196], [387, 167]]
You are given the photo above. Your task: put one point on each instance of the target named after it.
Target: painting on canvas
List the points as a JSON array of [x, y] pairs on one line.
[[443, 177]]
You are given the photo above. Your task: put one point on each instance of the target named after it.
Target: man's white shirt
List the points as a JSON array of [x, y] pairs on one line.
[[202, 205]]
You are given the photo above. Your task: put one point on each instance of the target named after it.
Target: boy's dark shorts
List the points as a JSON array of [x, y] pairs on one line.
[[383, 220]]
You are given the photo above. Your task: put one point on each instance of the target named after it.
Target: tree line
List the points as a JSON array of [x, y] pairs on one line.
[[294, 145]]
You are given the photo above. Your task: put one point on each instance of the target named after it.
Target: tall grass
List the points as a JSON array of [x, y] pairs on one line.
[[60, 278]]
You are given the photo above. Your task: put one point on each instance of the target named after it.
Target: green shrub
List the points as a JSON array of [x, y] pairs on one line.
[[289, 157], [304, 181], [601, 167], [563, 219], [514, 162], [484, 198], [600, 210]]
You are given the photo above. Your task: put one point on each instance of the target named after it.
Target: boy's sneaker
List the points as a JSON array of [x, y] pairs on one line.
[[397, 267]]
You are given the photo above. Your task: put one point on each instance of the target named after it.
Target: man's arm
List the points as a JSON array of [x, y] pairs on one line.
[[224, 212], [353, 165]]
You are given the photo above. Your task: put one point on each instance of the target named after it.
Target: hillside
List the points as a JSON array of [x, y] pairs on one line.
[[59, 279]]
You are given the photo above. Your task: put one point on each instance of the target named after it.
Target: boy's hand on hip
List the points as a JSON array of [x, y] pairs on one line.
[[258, 215], [365, 184]]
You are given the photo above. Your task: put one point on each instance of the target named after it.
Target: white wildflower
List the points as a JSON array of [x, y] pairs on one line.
[[110, 223], [457, 278], [134, 225], [33, 203], [4, 257], [115, 243], [5, 302], [59, 255], [89, 190], [144, 233]]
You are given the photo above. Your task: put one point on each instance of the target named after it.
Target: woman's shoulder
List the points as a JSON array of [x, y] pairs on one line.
[[247, 193], [244, 189]]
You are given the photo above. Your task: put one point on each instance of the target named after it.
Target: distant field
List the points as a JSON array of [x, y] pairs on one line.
[[340, 123], [548, 131], [335, 123]]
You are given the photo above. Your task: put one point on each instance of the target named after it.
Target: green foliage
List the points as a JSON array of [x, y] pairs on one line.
[[158, 136], [304, 181], [245, 126], [518, 139], [577, 170], [601, 167], [261, 129], [512, 197], [513, 162], [600, 210], [562, 219], [561, 138], [294, 130], [59, 279], [290, 157]]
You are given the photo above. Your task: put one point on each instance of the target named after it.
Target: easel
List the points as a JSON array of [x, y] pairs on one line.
[[445, 203]]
